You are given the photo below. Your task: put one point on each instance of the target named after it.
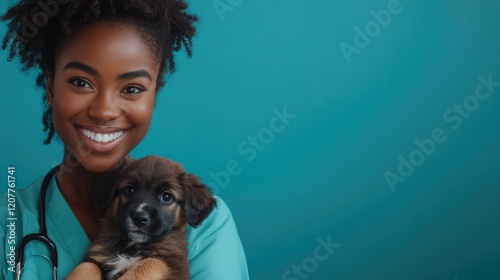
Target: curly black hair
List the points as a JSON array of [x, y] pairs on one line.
[[38, 29]]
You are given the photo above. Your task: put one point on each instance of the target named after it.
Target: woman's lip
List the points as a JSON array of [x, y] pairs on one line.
[[101, 146], [101, 129]]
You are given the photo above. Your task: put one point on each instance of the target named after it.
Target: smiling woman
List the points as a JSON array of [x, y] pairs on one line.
[[101, 65], [105, 88]]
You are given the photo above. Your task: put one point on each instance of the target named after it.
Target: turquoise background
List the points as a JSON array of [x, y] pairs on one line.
[[322, 176]]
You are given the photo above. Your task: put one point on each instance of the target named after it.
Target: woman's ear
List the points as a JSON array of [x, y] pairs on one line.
[[198, 201], [49, 87]]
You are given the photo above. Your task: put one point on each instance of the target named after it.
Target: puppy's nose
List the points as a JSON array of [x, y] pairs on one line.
[[141, 218]]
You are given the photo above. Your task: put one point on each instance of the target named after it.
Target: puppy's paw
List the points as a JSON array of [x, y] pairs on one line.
[[147, 269], [85, 271]]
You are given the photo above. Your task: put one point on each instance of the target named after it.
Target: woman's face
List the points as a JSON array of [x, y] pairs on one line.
[[102, 94]]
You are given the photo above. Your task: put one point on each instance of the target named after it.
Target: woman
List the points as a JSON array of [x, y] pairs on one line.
[[101, 64]]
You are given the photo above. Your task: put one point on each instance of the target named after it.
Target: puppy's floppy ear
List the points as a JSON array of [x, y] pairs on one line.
[[103, 188], [198, 201]]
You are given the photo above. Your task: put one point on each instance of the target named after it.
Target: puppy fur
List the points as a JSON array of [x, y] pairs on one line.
[[146, 206]]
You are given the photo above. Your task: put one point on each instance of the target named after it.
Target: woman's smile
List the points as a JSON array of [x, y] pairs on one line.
[[101, 139]]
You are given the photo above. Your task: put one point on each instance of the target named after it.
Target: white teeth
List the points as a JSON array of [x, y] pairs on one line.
[[101, 137]]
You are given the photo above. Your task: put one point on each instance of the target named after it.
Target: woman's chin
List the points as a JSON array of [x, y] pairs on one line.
[[100, 164]]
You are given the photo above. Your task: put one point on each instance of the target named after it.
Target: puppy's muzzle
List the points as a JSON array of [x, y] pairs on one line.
[[143, 216]]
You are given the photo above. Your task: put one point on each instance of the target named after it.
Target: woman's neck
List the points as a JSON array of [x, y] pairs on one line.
[[75, 184]]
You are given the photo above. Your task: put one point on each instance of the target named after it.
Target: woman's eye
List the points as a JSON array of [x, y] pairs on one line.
[[166, 197], [80, 83], [128, 191], [133, 90]]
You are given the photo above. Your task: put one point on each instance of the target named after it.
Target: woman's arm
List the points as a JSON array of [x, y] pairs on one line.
[[215, 250]]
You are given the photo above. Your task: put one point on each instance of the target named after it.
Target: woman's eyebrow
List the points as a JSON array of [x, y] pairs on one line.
[[94, 72], [81, 66], [135, 74]]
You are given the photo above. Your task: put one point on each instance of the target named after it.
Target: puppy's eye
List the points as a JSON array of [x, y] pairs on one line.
[[166, 197], [128, 191]]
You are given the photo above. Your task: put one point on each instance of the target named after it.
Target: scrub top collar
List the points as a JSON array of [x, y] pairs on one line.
[[62, 224]]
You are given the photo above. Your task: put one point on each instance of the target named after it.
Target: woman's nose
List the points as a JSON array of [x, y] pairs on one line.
[[104, 107]]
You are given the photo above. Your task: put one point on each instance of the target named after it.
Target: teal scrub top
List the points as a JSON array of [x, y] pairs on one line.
[[215, 250]]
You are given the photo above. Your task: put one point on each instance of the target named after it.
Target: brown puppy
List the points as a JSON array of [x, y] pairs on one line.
[[148, 203]]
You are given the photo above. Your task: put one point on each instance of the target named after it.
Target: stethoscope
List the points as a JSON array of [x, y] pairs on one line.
[[42, 236]]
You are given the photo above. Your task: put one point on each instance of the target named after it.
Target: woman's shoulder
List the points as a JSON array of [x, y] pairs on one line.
[[219, 223], [216, 244], [25, 198], [221, 210], [18, 203], [220, 216]]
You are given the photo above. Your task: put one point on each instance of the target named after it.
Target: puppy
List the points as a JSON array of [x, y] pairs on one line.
[[147, 204]]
